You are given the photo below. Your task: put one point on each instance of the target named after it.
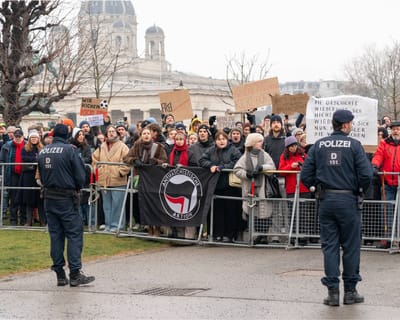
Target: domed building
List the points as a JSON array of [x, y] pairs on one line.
[[111, 28]]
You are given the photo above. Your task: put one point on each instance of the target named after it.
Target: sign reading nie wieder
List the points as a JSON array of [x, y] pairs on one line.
[[319, 117]]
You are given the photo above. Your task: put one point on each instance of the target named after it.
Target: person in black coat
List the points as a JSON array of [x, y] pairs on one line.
[[84, 150], [223, 155], [30, 198]]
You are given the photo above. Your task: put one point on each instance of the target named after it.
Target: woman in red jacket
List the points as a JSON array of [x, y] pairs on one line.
[[292, 159]]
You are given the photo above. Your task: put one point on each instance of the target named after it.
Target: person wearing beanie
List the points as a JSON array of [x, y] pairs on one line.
[[124, 135], [226, 218], [250, 169], [204, 142], [89, 134], [297, 132], [274, 142], [292, 159], [62, 173], [236, 138], [84, 122], [274, 145], [61, 131], [70, 124], [112, 178], [29, 197]]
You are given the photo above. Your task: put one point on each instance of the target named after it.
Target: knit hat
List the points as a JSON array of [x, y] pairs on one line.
[[206, 127], [61, 130], [237, 129], [180, 126], [296, 131], [33, 133], [68, 122], [18, 133], [151, 120], [83, 122], [276, 117], [290, 141], [252, 139], [75, 131]]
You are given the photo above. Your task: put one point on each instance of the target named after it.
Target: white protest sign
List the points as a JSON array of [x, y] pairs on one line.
[[319, 117], [95, 120]]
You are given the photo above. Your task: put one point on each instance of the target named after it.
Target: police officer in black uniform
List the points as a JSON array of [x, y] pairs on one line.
[[339, 170], [62, 174]]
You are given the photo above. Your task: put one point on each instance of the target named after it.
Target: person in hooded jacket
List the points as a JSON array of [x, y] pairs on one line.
[[204, 142], [223, 156], [145, 151], [292, 159]]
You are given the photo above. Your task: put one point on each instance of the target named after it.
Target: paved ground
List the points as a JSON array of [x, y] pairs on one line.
[[196, 282]]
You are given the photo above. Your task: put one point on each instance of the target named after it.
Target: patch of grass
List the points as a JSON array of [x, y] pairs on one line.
[[23, 251]]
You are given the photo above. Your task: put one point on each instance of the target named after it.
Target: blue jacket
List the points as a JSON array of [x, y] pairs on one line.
[[337, 162], [60, 166]]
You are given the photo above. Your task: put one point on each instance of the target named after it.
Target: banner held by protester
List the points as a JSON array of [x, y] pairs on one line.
[[175, 197]]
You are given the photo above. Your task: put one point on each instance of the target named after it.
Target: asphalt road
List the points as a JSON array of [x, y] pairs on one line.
[[199, 282]]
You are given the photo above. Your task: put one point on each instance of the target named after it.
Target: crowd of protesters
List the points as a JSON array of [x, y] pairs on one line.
[[249, 148]]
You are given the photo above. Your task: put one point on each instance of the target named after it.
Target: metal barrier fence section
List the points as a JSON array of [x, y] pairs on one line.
[[292, 224]]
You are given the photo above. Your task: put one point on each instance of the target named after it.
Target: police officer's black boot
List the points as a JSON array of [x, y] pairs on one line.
[[351, 296], [76, 278], [333, 297], [62, 279]]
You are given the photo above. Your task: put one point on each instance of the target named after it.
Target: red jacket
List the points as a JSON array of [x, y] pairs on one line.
[[387, 159], [290, 178]]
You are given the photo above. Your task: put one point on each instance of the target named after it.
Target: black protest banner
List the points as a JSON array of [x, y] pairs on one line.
[[175, 197]]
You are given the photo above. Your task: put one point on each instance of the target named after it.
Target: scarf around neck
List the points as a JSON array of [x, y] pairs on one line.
[[249, 165]]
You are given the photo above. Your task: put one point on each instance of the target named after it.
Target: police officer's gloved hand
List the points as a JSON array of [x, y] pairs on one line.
[[375, 170], [249, 174], [211, 120], [259, 168], [137, 163]]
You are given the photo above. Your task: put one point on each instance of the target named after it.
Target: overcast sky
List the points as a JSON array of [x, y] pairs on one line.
[[308, 40]]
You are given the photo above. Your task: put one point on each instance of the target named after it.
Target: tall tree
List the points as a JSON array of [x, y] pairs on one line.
[[376, 73], [37, 64], [243, 68]]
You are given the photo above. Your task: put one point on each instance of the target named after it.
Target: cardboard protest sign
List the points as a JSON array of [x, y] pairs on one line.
[[226, 122], [319, 117], [95, 120], [90, 106], [177, 103], [290, 104], [255, 94]]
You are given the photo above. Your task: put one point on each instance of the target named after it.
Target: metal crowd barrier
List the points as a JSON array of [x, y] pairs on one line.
[[293, 224]]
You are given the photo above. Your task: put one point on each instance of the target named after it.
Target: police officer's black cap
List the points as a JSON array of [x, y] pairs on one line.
[[343, 116], [61, 130], [392, 124]]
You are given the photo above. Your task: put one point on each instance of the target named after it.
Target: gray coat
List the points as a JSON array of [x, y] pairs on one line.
[[263, 209]]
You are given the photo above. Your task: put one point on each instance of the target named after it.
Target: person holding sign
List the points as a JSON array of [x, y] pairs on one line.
[[337, 167]]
